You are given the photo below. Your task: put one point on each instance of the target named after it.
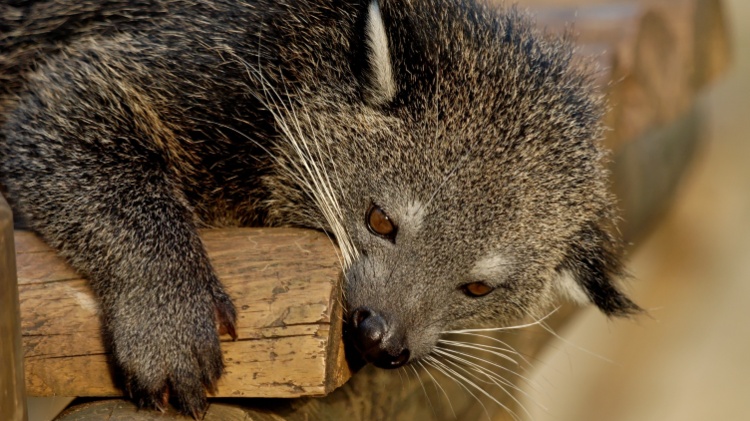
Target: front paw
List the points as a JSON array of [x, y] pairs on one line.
[[169, 351]]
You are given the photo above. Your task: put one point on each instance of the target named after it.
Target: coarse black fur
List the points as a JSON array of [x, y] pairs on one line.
[[128, 124]]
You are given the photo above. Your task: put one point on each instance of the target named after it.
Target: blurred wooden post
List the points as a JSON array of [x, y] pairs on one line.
[[655, 55], [12, 391]]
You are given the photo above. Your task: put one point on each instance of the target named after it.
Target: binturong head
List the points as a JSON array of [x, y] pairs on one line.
[[464, 184]]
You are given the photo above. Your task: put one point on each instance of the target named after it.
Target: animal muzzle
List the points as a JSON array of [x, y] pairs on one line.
[[377, 342]]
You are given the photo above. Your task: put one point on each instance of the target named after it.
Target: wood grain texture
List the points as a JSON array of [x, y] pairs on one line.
[[283, 282]]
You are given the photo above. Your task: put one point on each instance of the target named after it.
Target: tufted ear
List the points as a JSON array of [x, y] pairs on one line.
[[379, 83], [590, 270]]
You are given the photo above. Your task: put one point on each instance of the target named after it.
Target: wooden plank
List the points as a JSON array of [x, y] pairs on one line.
[[12, 392], [283, 282]]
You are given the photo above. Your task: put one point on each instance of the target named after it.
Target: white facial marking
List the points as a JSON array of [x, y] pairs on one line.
[[382, 86], [567, 287], [413, 216], [495, 267]]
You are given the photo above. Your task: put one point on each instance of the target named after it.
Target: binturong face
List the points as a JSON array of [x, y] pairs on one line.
[[465, 187], [481, 235]]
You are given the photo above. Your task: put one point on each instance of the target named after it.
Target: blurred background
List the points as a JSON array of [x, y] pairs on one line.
[[689, 359]]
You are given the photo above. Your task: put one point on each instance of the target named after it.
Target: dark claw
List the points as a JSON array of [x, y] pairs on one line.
[[188, 364], [226, 315]]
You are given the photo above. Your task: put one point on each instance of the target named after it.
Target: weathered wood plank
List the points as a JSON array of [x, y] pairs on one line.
[[283, 282]]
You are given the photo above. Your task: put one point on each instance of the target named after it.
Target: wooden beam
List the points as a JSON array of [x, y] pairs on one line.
[[284, 283], [12, 391]]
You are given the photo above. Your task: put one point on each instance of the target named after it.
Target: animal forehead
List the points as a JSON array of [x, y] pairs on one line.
[[413, 214], [446, 214], [493, 265]]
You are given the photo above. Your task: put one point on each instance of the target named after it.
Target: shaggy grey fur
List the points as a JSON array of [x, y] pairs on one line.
[[128, 124]]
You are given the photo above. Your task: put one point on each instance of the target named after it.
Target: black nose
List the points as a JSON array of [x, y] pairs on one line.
[[371, 334]]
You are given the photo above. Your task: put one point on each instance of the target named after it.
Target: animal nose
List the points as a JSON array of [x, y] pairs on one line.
[[370, 335]]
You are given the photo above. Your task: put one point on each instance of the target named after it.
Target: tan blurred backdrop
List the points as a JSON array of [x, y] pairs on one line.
[[690, 360]]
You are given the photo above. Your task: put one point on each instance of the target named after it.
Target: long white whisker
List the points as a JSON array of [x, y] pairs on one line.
[[584, 350], [316, 182], [437, 385], [474, 385], [429, 401], [408, 377], [493, 379], [488, 373], [497, 379], [449, 373], [311, 182], [332, 209], [333, 203], [498, 340], [496, 329], [456, 355], [474, 357], [478, 347]]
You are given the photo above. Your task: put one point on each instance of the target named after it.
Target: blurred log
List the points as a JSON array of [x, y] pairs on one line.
[[655, 56]]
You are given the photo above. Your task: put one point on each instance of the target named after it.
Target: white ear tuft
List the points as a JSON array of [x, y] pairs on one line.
[[569, 288], [381, 85]]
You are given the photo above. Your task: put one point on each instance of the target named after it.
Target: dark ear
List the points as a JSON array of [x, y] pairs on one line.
[[592, 266], [374, 58]]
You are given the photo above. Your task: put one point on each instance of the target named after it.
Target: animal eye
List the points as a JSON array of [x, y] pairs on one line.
[[379, 223], [476, 289]]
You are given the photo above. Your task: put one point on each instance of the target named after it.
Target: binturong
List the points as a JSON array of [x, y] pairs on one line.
[[450, 149]]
